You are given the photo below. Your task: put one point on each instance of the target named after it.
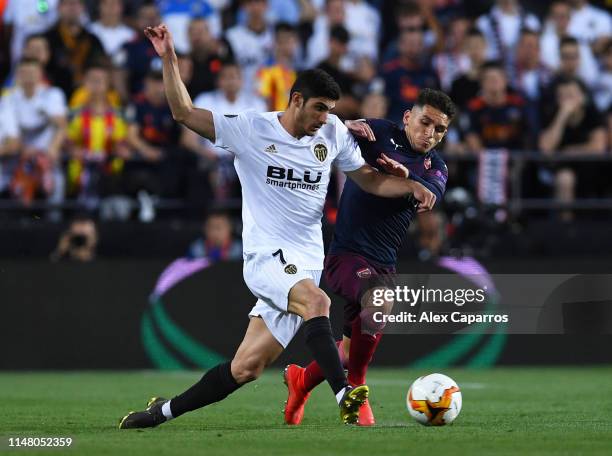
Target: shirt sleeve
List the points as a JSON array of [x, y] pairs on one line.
[[74, 129], [9, 128], [434, 178], [349, 154], [231, 131], [56, 103]]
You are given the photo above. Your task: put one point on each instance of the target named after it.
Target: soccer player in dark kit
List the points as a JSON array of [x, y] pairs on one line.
[[369, 233]]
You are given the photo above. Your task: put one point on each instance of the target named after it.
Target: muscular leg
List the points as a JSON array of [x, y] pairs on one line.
[[257, 350], [312, 304]]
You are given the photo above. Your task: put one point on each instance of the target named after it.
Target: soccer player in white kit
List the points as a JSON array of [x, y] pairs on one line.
[[283, 160]]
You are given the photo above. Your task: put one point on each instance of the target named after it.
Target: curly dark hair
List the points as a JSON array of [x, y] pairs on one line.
[[316, 83], [437, 99]]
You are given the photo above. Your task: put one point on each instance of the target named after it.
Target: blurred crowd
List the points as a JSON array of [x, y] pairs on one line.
[[84, 117]]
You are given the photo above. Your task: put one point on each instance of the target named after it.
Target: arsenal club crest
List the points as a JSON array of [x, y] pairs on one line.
[[364, 273], [427, 163]]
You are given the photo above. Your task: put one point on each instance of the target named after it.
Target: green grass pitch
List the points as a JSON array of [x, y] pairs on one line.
[[544, 411]]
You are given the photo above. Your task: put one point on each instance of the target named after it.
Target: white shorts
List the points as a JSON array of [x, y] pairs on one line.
[[270, 280]]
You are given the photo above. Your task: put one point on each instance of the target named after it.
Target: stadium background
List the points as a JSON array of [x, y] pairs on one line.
[[68, 310]]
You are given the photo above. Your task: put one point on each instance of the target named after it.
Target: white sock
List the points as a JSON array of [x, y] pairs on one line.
[[340, 394], [166, 410]]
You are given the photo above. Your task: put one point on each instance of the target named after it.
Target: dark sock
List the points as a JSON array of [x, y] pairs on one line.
[[313, 375], [215, 385], [320, 341]]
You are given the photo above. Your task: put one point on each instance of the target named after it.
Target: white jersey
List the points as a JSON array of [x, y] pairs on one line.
[[33, 114], [216, 101], [284, 181]]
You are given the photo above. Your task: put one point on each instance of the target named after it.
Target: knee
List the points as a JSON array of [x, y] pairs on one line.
[[317, 304], [246, 369]]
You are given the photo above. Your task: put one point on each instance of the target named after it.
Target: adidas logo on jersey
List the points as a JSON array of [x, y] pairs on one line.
[[271, 149]]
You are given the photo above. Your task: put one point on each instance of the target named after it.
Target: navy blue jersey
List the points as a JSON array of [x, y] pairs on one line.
[[372, 226]]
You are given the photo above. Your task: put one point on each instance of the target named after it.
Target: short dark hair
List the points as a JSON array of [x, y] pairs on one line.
[[437, 99], [492, 65], [568, 40], [285, 27], [339, 33], [316, 83], [410, 8], [526, 31]]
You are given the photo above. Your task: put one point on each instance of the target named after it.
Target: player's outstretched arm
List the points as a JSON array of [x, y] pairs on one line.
[[379, 184], [183, 111]]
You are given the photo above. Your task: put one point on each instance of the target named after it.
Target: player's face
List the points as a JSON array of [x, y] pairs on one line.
[[425, 127], [312, 115]]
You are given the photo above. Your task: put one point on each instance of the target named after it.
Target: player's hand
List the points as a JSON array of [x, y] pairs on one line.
[[392, 167], [360, 128], [426, 199], [161, 39]]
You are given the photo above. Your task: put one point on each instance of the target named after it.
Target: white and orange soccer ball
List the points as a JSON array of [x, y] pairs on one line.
[[434, 400]]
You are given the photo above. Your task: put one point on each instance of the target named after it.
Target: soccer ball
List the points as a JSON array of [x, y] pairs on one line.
[[434, 400]]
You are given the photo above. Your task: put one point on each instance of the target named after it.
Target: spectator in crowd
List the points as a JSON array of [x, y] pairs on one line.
[[97, 135], [278, 75], [217, 242], [291, 12], [35, 47], [555, 30], [467, 85], [9, 146], [152, 135], [137, 57], [110, 29], [364, 29], [229, 98], [207, 54], [453, 61], [430, 234], [590, 24], [568, 68], [79, 242], [80, 96], [177, 14], [252, 43], [405, 76], [531, 74], [39, 113], [497, 118], [73, 48], [347, 106], [23, 18], [413, 15], [603, 86], [575, 129], [317, 45], [502, 26], [185, 67]]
